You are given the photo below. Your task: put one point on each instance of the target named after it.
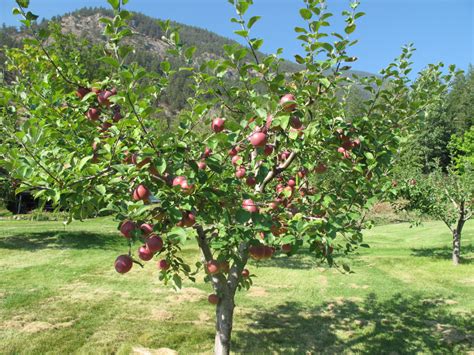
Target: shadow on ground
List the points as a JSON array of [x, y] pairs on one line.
[[60, 240], [444, 253], [399, 325]]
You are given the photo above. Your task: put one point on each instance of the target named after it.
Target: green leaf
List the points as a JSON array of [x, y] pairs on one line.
[[364, 245], [242, 7], [177, 282], [31, 16], [305, 14], [114, 3], [242, 33], [189, 52], [165, 66], [23, 3], [101, 189], [349, 29], [111, 61], [252, 21]]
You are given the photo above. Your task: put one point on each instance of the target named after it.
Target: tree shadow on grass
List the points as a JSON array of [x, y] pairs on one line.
[[444, 253], [60, 240], [401, 325]]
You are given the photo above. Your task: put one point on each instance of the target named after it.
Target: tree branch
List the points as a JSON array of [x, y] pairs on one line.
[[275, 171]]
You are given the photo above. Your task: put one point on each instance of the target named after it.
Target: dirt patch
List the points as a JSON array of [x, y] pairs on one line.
[[189, 294], [161, 314], [363, 287], [258, 292], [160, 351], [468, 281], [33, 327]]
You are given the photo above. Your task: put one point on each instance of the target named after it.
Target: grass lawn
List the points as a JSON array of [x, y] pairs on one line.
[[59, 293]]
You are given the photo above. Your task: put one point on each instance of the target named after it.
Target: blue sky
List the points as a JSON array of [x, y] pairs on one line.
[[442, 30]]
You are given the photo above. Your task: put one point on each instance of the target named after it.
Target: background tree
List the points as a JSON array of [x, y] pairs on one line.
[[281, 168], [448, 196]]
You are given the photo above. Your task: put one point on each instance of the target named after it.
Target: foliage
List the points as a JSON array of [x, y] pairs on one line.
[[95, 145]]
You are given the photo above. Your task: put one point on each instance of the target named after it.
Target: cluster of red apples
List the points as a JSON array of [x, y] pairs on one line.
[[94, 113], [258, 140]]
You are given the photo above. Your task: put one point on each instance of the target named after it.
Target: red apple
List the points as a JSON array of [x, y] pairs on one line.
[[123, 264], [279, 188], [258, 139], [240, 173], [285, 155], [302, 173], [286, 248], [233, 151], [93, 114], [117, 116], [245, 273], [81, 92], [287, 102], [187, 220], [218, 124], [295, 122], [163, 265], [154, 243], [103, 98], [249, 206], [127, 228], [178, 180], [212, 267], [144, 253], [213, 299], [291, 182], [356, 142], [256, 252], [251, 181], [267, 252], [236, 160], [268, 150], [141, 192], [224, 266], [207, 152], [201, 165], [274, 204], [146, 228]]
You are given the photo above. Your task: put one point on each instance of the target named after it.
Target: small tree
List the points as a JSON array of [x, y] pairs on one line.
[[285, 169], [445, 196]]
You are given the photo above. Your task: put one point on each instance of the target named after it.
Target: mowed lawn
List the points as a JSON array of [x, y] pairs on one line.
[[60, 294]]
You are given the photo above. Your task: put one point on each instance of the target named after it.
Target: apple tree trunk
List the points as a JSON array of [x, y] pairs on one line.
[[456, 247], [224, 320], [457, 234]]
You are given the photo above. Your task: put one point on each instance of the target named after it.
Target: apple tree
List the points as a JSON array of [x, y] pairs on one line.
[[446, 196], [269, 163]]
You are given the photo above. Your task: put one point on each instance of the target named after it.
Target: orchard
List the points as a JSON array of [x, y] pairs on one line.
[[269, 164]]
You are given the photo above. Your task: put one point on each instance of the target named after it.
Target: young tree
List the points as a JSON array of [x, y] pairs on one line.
[[448, 196], [271, 165]]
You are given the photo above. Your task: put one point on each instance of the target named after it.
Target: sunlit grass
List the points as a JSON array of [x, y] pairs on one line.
[[59, 293]]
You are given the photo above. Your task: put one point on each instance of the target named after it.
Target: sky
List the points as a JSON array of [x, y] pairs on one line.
[[441, 30]]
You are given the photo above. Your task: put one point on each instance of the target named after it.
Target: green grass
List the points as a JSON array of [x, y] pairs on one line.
[[59, 293]]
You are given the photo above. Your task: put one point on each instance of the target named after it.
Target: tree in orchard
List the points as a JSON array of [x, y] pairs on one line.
[[446, 196], [268, 164]]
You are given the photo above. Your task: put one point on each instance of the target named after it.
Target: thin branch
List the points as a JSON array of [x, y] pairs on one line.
[[275, 171]]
